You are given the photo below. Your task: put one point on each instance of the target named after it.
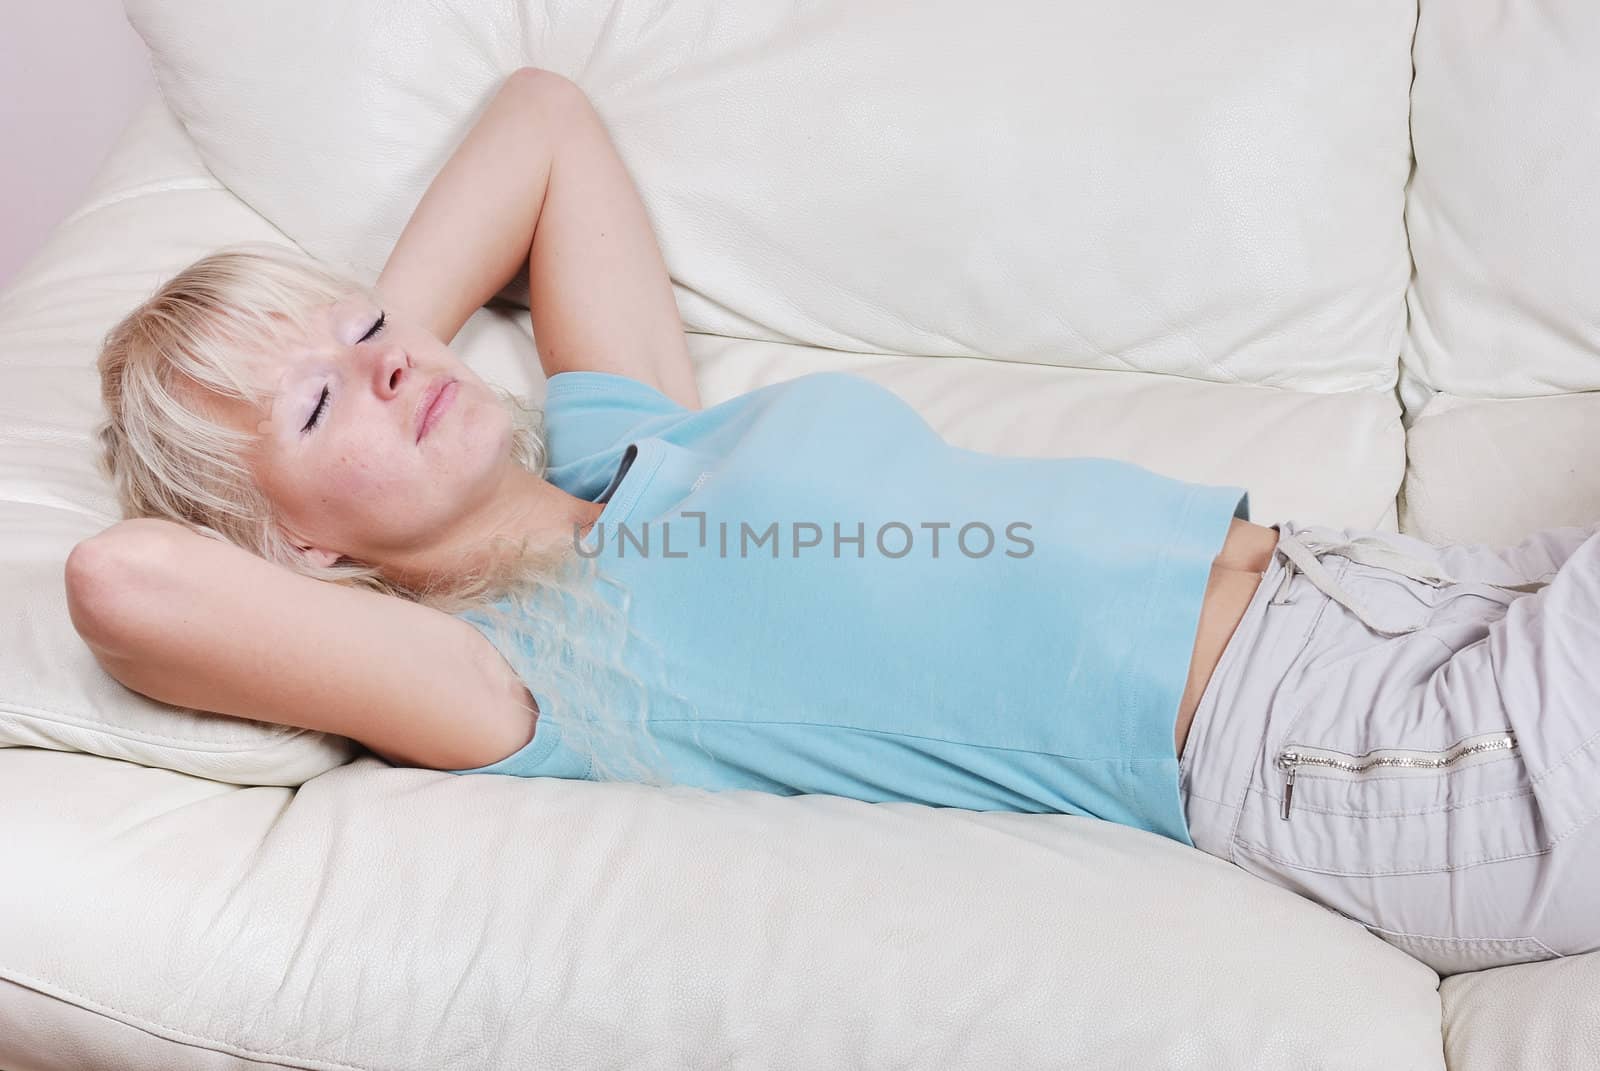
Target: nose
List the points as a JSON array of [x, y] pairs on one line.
[[390, 367]]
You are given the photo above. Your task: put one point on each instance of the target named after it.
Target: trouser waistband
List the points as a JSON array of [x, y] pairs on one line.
[[1301, 549]]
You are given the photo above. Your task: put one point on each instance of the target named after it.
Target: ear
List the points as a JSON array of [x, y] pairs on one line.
[[314, 555], [319, 556]]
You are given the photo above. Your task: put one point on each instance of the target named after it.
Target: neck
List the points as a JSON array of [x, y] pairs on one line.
[[524, 506]]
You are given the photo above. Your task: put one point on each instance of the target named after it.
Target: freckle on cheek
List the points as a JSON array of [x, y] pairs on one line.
[[350, 481]]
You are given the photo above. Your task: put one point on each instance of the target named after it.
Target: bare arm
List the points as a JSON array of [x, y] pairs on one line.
[[537, 182], [199, 623]]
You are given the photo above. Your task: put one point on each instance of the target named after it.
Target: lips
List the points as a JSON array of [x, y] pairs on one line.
[[432, 404]]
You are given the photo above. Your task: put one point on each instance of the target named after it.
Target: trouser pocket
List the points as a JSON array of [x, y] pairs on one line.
[[1380, 769], [1399, 808]]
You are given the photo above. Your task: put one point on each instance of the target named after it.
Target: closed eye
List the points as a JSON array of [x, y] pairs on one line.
[[382, 316], [316, 414]]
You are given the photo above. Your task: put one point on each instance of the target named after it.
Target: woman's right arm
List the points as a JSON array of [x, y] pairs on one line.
[[196, 622], [537, 182]]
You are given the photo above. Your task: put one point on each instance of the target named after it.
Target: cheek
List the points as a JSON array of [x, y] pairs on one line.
[[351, 478], [351, 482], [360, 476]]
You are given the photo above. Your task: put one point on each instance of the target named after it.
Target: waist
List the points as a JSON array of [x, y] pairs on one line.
[[1235, 576], [1248, 546]]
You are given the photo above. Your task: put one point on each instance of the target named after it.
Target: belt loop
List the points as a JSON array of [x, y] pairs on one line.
[[1286, 530], [1280, 597]]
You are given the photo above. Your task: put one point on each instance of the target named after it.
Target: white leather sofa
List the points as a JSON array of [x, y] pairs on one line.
[[1334, 252]]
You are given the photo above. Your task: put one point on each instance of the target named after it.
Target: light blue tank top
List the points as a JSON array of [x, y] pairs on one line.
[[850, 605]]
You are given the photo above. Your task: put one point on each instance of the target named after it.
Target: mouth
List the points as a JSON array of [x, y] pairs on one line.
[[433, 403]]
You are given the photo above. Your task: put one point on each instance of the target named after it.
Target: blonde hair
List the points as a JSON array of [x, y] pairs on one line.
[[544, 608]]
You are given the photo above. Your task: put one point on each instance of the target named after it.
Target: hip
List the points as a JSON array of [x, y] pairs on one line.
[[1403, 733]]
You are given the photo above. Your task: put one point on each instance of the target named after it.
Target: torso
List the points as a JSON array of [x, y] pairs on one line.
[[1235, 575]]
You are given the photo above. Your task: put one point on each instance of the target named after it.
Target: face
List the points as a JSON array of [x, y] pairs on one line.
[[343, 452]]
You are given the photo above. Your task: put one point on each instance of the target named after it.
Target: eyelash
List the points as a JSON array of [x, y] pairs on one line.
[[322, 402]]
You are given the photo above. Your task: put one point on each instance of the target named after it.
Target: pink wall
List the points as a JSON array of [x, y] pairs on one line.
[[72, 72]]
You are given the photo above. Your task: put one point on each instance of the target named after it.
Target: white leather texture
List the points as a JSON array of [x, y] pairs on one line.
[[1504, 209], [1163, 232], [1535, 459], [1534, 1016], [1503, 214], [384, 917], [1214, 191]]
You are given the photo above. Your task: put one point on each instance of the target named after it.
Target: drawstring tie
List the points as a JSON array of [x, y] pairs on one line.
[[1303, 551]]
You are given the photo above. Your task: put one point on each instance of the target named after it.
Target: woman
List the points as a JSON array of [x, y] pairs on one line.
[[755, 594]]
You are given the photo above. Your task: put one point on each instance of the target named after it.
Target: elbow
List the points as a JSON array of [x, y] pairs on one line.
[[113, 581], [538, 80], [547, 94]]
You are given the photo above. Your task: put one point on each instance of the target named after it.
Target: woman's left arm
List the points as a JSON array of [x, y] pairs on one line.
[[537, 182]]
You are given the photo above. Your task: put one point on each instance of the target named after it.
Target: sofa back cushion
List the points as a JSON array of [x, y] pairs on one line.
[[1502, 356], [1505, 206], [1207, 190]]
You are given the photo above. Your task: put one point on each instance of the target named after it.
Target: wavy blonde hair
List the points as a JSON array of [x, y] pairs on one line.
[[544, 609]]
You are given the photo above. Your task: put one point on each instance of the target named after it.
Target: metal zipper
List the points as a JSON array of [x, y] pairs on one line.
[[1295, 756]]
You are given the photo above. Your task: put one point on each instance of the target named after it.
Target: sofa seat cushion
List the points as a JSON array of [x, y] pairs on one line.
[[402, 918], [1535, 459], [1535, 1015]]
